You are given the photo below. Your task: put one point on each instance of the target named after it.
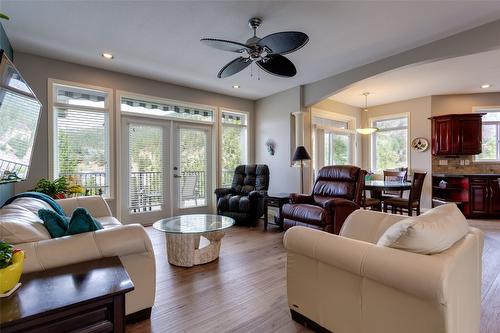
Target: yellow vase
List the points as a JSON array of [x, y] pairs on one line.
[[10, 275]]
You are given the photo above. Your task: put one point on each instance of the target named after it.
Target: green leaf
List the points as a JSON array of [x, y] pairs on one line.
[[3, 16]]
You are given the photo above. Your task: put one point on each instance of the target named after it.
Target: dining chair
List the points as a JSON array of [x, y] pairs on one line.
[[399, 175], [372, 203], [413, 201]]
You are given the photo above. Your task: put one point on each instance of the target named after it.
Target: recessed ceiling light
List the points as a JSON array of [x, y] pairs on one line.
[[236, 86], [108, 56], [485, 86]]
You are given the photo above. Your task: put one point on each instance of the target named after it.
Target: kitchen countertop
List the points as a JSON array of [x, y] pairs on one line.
[[466, 175]]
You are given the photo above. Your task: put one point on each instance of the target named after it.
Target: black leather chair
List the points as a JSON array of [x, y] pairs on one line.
[[244, 201]]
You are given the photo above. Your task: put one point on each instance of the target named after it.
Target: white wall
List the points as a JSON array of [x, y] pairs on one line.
[[272, 121], [420, 126]]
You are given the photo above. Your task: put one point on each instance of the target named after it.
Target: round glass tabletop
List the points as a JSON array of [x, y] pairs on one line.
[[193, 224]]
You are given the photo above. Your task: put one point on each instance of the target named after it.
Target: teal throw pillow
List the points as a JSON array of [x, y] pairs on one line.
[[59, 225], [81, 221], [55, 224]]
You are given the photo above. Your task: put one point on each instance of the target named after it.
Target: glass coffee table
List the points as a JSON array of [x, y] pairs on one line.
[[183, 234]]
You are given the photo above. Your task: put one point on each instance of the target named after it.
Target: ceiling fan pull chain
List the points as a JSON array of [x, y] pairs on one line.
[[258, 74], [251, 70]]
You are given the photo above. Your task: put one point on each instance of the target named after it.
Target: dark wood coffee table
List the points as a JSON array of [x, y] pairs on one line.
[[275, 200], [84, 297]]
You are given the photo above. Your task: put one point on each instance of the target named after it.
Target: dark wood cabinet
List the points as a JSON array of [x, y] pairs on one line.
[[484, 196], [457, 134]]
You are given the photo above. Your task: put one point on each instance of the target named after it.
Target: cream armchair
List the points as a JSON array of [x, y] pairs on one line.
[[129, 242], [347, 284]]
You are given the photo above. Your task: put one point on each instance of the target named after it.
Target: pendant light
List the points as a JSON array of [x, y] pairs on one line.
[[366, 130]]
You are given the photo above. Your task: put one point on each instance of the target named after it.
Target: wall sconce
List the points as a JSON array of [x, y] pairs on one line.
[[271, 146]]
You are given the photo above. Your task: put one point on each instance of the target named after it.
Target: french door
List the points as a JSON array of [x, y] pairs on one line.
[[192, 169], [145, 160], [167, 169]]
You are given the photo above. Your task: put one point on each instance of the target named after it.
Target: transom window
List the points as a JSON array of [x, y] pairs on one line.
[[389, 145], [166, 109], [81, 137], [491, 137], [234, 145]]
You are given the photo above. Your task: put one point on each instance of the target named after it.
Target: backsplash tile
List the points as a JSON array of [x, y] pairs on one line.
[[455, 167]]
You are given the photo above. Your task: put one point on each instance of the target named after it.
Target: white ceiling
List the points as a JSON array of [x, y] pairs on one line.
[[160, 39], [451, 76]]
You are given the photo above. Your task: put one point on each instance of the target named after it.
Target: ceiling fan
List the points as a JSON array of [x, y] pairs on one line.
[[267, 52]]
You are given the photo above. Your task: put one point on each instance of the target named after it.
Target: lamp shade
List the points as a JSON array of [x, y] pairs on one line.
[[301, 154], [367, 130]]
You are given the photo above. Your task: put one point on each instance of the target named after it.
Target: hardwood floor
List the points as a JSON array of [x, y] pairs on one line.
[[245, 289]]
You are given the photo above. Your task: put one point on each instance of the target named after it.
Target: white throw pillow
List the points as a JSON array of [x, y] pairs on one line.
[[432, 232], [19, 225]]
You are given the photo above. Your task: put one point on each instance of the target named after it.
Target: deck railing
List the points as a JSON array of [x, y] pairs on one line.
[[94, 183]]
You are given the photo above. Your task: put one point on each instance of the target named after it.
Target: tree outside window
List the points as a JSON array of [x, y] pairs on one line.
[[390, 143]]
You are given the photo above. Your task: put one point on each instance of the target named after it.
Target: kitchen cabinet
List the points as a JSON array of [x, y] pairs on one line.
[[484, 196], [457, 134]]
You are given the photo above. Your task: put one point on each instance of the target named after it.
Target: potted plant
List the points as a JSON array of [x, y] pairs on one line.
[[57, 189], [11, 266]]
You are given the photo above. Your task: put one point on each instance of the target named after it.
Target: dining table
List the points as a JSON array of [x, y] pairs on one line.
[[376, 187]]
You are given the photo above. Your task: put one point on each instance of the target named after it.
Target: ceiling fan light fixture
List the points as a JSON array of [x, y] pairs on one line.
[[267, 52], [236, 86], [485, 86], [107, 55]]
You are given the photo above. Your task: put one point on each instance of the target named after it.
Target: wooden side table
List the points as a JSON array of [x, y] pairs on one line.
[[84, 297], [275, 200]]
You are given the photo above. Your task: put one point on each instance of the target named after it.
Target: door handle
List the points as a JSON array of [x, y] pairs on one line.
[[177, 176]]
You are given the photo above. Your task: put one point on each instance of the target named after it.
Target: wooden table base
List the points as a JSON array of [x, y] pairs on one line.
[[184, 249]]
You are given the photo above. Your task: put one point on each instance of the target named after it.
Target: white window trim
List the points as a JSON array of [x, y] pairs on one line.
[[219, 138], [372, 120], [331, 115], [109, 108], [482, 109]]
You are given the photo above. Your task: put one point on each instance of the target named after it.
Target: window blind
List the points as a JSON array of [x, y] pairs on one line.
[[146, 168], [81, 145]]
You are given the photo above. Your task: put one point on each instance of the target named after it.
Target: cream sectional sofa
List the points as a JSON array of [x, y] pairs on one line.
[[347, 284], [21, 226]]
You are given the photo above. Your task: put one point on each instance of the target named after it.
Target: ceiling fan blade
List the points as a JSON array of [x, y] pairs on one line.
[[225, 45], [278, 65], [284, 42], [234, 67]]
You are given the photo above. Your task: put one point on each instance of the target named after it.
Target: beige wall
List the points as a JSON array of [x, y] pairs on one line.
[[37, 70], [420, 126], [272, 121], [464, 103]]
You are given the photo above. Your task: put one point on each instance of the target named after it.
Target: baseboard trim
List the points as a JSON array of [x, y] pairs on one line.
[[138, 316], [304, 321]]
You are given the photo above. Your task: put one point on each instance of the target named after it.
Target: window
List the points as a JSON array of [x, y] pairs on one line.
[[389, 144], [167, 109], [234, 146], [491, 137], [81, 137], [333, 139]]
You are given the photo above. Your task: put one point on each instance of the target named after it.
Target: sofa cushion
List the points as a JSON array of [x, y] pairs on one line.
[[19, 225], [432, 232], [32, 204], [56, 224], [305, 213]]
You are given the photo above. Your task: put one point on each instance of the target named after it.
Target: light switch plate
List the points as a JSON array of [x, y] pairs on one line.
[[462, 162], [467, 162], [443, 162]]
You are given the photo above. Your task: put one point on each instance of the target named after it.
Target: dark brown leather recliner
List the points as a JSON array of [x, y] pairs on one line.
[[336, 193], [244, 200]]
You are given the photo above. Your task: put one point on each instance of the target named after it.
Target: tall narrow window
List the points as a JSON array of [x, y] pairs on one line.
[[81, 137], [491, 137], [234, 149], [390, 143]]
